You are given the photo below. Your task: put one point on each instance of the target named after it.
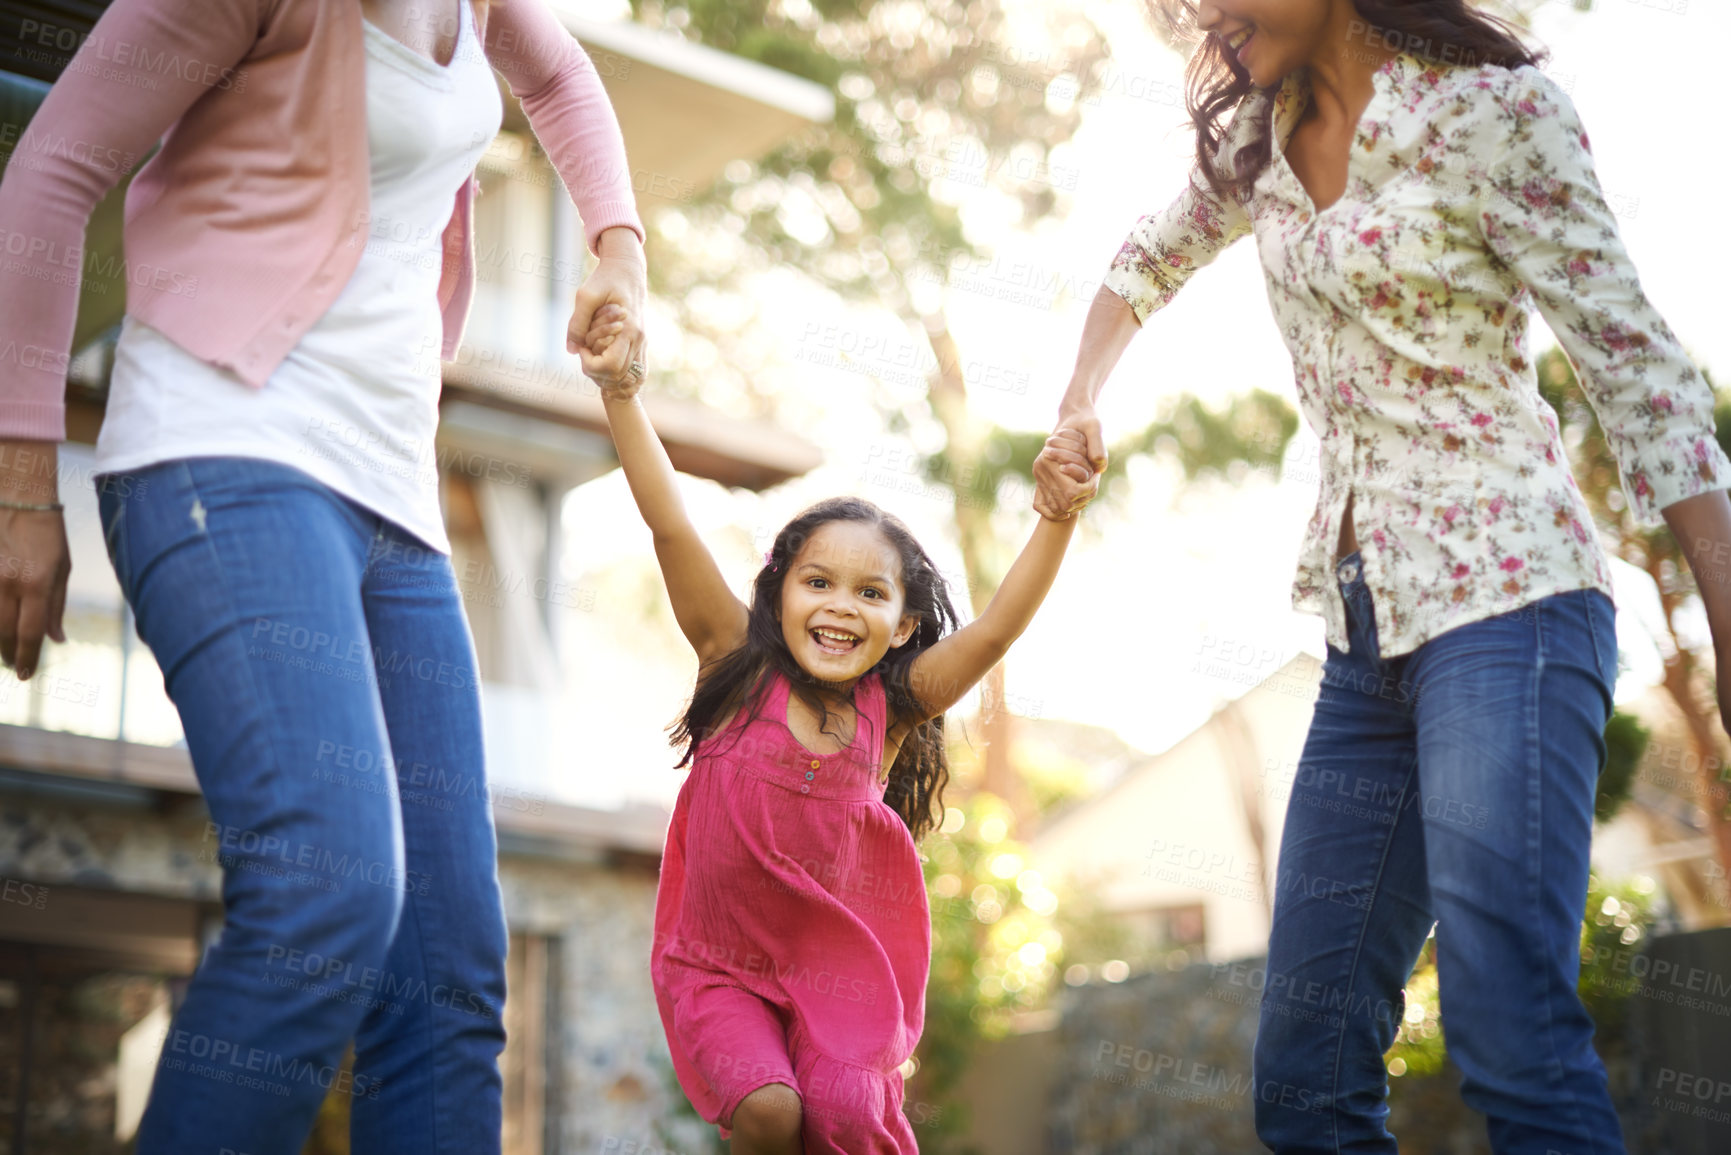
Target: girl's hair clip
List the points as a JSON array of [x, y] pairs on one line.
[[769, 560]]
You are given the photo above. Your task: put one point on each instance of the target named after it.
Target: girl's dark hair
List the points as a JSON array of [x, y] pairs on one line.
[[1445, 31], [735, 681]]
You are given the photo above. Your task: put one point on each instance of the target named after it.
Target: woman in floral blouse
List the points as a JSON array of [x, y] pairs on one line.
[[1413, 182]]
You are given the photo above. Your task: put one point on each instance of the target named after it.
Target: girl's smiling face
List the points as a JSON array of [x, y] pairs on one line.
[[842, 602]]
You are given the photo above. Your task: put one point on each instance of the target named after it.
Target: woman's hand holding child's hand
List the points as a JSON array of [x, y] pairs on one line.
[[1065, 454], [606, 327]]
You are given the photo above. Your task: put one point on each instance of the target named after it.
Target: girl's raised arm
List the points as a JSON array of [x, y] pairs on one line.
[[943, 673], [712, 618]]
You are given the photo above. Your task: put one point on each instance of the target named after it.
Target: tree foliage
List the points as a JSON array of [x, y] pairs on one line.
[[1617, 928], [1001, 935], [1654, 550], [933, 99]]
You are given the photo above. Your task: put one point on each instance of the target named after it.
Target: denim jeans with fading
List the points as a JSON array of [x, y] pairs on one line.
[[326, 681], [1452, 786]]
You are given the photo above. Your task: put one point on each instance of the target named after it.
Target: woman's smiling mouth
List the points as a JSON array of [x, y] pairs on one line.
[[832, 641]]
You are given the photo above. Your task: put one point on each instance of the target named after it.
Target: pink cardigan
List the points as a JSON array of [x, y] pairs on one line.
[[245, 227]]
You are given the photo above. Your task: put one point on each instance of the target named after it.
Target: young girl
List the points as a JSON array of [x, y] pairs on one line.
[[792, 938]]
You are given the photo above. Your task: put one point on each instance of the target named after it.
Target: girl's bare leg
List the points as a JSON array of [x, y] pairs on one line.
[[767, 1122]]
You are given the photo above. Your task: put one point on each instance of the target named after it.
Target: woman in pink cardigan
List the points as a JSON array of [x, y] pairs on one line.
[[298, 262]]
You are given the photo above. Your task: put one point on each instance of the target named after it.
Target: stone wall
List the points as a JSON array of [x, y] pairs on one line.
[[613, 1091], [164, 852], [1162, 1063], [1157, 1063]]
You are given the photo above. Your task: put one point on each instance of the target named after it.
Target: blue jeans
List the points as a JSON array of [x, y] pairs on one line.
[[1451, 786], [326, 680]]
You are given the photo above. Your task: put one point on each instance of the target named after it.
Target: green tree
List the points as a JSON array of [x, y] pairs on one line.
[[930, 94], [1000, 936], [1689, 678], [1617, 927], [994, 952]]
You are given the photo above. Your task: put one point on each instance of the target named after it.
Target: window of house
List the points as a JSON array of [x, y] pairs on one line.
[[1160, 930], [88, 980]]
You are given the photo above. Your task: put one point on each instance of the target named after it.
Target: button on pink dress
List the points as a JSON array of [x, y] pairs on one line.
[[792, 939]]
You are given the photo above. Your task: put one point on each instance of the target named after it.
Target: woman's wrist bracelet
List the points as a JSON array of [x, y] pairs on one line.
[[47, 507]]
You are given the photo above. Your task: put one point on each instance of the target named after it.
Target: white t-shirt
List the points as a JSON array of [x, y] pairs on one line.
[[356, 402]]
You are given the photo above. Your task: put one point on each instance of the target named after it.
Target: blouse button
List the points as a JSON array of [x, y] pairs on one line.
[[805, 789], [814, 765], [809, 775]]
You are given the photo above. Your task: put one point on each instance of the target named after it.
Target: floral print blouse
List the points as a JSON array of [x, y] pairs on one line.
[[1470, 194]]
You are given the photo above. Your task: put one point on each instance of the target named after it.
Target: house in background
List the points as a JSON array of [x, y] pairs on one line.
[[1181, 848], [110, 879]]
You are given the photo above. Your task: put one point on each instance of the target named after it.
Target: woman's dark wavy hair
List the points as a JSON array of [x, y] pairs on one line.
[[735, 681], [1447, 31]]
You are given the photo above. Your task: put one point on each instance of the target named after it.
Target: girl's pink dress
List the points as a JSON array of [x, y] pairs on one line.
[[792, 939]]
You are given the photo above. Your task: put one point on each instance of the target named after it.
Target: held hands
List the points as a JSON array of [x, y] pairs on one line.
[[609, 331], [1067, 471], [618, 283]]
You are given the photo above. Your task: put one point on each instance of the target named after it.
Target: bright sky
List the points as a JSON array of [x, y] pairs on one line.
[[1168, 578]]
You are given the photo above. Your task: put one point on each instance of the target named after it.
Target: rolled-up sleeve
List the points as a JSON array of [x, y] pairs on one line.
[[568, 110], [1166, 247], [1544, 216]]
